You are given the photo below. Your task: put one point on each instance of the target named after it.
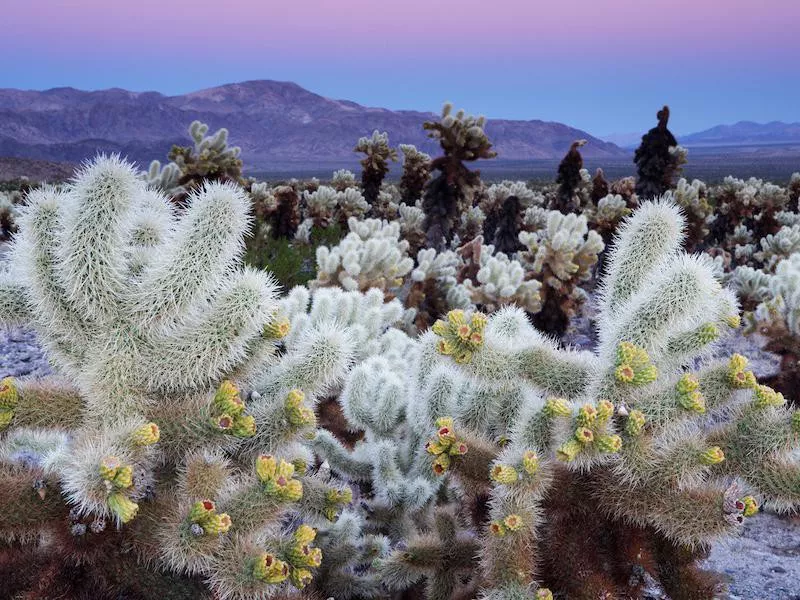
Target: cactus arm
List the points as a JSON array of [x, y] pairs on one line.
[[92, 254], [48, 403], [217, 340], [355, 466], [204, 244], [14, 305]]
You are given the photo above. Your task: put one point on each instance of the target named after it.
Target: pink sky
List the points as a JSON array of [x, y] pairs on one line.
[[360, 49]]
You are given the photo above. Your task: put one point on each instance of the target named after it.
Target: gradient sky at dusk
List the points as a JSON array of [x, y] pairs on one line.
[[601, 65]]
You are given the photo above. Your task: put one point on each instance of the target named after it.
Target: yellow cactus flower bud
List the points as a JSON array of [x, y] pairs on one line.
[[227, 399], [513, 522], [569, 450], [300, 578], [456, 317], [733, 321], [201, 511], [446, 435], [441, 464], [440, 328], [478, 321], [635, 423], [708, 333], [295, 398], [557, 407], [444, 347], [737, 362], [609, 443], [223, 422], [304, 534], [530, 462], [693, 402], [463, 357], [605, 410], [587, 415], [145, 435], [463, 332], [687, 383], [109, 467], [277, 328], [9, 394], [584, 435], [504, 474], [444, 422], [124, 477], [458, 449], [624, 373], [435, 447], [544, 594], [266, 467], [270, 569], [766, 396], [244, 426], [217, 524], [285, 469], [6, 416], [712, 456], [750, 506], [300, 466], [293, 490], [647, 375], [122, 507], [496, 528]]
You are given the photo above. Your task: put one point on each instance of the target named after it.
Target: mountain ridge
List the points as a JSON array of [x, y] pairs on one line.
[[269, 120]]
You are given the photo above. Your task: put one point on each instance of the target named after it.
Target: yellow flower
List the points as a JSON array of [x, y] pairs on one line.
[[504, 474], [270, 569], [277, 328], [712, 456], [109, 467], [440, 328], [217, 524], [497, 528], [227, 400], [244, 426], [624, 373], [122, 507], [766, 396], [733, 321], [9, 394], [584, 435], [605, 410], [441, 464], [569, 450], [557, 407], [6, 416], [266, 466], [609, 443], [201, 511], [544, 594], [301, 578], [145, 435], [456, 317], [587, 415], [304, 534], [123, 478], [530, 462], [513, 522], [635, 423], [750, 506]]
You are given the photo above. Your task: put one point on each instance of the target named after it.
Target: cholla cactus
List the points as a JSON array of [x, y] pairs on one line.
[[692, 198], [412, 220], [375, 164], [210, 159], [794, 192], [416, 173], [777, 316], [9, 213], [752, 204], [600, 186], [343, 179], [351, 204], [153, 458], [432, 283], [608, 214], [321, 205], [277, 208], [462, 138], [164, 179], [571, 175], [560, 257], [570, 447], [503, 207], [501, 281], [658, 159], [371, 255]]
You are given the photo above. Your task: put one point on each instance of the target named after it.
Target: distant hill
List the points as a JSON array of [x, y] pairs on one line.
[[745, 133], [272, 121]]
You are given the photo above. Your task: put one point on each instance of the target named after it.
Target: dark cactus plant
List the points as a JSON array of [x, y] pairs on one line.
[[375, 164], [416, 173], [463, 140], [657, 160], [569, 177]]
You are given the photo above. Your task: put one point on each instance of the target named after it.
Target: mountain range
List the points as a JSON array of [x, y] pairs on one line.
[[745, 133], [271, 121]]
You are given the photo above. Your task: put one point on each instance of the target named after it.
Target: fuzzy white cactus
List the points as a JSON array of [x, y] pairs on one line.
[[371, 255], [501, 281]]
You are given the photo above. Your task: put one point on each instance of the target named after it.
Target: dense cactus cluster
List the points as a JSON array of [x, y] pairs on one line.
[[405, 418]]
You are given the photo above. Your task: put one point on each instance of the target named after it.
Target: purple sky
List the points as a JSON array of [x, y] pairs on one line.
[[601, 65]]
